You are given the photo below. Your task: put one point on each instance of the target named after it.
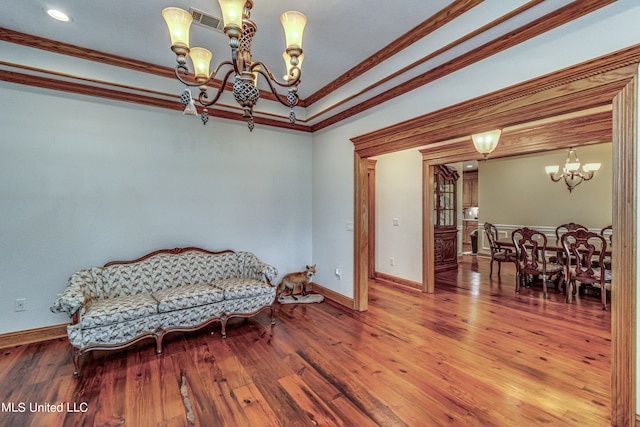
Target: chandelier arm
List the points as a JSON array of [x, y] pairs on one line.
[[203, 93], [275, 92], [571, 185], [186, 72], [264, 70], [554, 179]]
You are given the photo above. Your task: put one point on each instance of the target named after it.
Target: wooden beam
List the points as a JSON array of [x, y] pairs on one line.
[[440, 19], [545, 23]]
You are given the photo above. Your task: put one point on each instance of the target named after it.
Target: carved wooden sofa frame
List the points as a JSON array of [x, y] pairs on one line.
[[165, 291]]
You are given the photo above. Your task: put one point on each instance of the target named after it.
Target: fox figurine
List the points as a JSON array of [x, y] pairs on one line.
[[301, 278]]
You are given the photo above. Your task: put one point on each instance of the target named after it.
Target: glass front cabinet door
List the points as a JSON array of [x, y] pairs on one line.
[[446, 224]]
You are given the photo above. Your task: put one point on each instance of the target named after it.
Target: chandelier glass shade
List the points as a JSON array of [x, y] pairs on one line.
[[240, 30], [486, 142], [573, 172]]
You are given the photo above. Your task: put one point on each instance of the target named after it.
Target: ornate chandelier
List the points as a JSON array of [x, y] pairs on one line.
[[573, 172], [240, 29]]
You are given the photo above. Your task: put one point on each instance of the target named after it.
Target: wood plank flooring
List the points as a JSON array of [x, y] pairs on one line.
[[472, 354]]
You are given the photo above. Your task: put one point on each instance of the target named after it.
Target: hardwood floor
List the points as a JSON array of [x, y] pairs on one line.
[[472, 354]]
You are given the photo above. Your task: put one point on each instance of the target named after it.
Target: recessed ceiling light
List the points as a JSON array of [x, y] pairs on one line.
[[58, 15]]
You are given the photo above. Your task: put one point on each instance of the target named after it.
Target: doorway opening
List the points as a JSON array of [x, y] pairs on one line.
[[583, 90]]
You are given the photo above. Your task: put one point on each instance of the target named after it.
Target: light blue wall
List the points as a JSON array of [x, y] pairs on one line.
[[85, 181]]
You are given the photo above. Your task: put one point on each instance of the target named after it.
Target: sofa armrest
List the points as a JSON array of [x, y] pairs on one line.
[[265, 272], [256, 269], [82, 288]]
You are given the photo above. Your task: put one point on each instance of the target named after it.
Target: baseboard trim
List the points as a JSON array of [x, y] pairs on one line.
[[332, 295], [393, 280], [30, 336]]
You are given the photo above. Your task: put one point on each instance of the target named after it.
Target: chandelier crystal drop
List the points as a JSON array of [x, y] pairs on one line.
[[240, 30]]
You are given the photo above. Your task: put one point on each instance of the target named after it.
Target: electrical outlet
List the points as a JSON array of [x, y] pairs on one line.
[[21, 304], [339, 273], [392, 261]]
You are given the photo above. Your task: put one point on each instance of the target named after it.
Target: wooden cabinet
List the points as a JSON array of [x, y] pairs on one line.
[[446, 224], [470, 189], [467, 227]]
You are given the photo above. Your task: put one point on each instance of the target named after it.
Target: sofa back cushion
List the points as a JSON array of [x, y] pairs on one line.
[[167, 270]]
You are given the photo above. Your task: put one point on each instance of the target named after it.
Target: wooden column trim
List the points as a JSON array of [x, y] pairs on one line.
[[371, 187], [428, 240], [361, 234], [624, 252]]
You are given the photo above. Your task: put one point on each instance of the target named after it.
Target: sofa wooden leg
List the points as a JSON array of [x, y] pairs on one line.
[[159, 335], [273, 315], [76, 363], [223, 325]]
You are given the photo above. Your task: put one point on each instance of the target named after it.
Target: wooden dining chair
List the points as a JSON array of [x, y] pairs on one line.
[[531, 259], [588, 249], [560, 230], [565, 228], [499, 253], [607, 233]]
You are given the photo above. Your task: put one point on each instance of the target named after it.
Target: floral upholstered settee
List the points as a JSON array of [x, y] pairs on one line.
[[168, 290]]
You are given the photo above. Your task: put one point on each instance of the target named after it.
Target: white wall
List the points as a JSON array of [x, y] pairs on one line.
[[399, 195], [85, 181], [332, 186]]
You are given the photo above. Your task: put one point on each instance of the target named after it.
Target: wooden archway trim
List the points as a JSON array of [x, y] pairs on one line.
[[607, 81], [588, 84]]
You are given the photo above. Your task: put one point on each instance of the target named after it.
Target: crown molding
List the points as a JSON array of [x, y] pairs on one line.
[[436, 21], [67, 49], [543, 24], [127, 94], [446, 15]]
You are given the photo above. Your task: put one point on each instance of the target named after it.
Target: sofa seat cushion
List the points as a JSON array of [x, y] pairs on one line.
[[243, 288], [113, 334], [109, 311], [187, 296]]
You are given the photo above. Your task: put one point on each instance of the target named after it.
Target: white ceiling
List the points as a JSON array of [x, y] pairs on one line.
[[339, 36], [339, 33]]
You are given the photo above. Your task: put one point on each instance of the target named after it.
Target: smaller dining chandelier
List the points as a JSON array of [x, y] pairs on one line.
[[238, 26], [486, 142], [573, 171]]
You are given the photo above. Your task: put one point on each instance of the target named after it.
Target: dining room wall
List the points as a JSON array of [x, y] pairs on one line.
[[518, 192]]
